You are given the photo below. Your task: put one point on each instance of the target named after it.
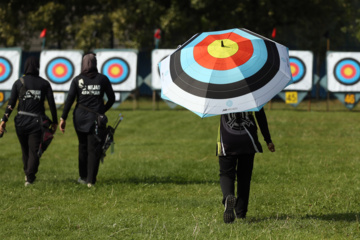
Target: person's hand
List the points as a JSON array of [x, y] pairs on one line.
[[62, 125], [271, 147], [53, 127], [2, 127]]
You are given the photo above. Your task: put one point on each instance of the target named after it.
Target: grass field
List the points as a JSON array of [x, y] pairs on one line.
[[162, 180]]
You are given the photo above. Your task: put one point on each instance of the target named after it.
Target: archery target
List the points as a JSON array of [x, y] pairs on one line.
[[59, 67], [59, 70], [119, 66], [9, 67], [343, 71], [301, 66], [156, 57]]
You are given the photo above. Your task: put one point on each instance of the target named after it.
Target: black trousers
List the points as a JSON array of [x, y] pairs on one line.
[[89, 156], [30, 146], [238, 168]]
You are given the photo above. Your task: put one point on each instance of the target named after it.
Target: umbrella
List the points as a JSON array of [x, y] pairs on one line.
[[227, 71]]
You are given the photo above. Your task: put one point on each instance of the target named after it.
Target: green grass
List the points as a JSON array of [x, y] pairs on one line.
[[162, 180]]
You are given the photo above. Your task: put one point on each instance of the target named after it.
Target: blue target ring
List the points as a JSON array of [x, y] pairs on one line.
[[116, 69], [298, 69], [59, 70], [5, 69], [347, 71]]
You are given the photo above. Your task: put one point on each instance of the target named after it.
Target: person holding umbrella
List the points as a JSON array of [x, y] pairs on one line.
[[89, 117], [236, 148], [31, 90]]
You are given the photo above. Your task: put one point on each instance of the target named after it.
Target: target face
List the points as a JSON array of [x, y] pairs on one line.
[[156, 57], [347, 71], [119, 66], [10, 61], [116, 69], [5, 69], [343, 71], [297, 68], [230, 71], [59, 70], [59, 67], [301, 66]]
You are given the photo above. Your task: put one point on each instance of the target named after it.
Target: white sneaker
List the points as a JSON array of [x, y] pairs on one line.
[[81, 181], [90, 185], [28, 183]]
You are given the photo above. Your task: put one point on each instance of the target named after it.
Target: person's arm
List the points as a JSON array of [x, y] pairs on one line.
[[11, 105], [264, 128], [51, 102], [110, 95], [68, 103]]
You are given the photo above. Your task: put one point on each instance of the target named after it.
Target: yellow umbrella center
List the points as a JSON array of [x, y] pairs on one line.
[[223, 48]]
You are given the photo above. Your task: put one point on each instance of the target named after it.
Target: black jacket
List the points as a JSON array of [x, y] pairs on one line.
[[238, 133], [37, 89], [89, 92]]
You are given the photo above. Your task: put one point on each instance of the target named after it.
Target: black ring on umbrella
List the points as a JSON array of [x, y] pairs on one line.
[[230, 90]]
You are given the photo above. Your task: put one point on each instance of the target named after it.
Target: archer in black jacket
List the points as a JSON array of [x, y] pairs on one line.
[[236, 147], [88, 88], [30, 108]]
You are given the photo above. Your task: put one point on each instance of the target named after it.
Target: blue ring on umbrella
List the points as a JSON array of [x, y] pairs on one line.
[[116, 60], [302, 69], [246, 70], [59, 80], [343, 80], [8, 69], [230, 90]]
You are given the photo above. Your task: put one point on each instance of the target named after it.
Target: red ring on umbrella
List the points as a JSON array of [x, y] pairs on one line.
[[56, 67], [244, 53], [345, 74]]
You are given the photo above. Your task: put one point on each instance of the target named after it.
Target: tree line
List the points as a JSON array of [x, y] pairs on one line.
[[90, 24]]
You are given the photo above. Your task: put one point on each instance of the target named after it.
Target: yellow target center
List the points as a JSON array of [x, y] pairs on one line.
[[59, 70], [1, 69], [293, 69], [348, 71], [222, 48], [115, 70]]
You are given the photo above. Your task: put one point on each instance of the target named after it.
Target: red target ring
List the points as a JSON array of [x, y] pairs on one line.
[[60, 70], [115, 70], [348, 71]]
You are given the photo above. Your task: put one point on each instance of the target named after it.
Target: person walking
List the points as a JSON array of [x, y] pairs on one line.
[[31, 91], [89, 118], [236, 147]]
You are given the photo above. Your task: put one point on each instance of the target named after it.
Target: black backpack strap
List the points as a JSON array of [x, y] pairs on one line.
[[22, 89]]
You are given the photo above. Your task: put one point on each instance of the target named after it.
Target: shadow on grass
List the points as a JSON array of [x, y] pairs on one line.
[[157, 180], [348, 217]]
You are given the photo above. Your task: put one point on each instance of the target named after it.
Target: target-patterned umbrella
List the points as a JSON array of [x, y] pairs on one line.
[[226, 71]]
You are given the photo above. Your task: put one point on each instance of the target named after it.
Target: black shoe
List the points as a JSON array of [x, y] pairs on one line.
[[229, 215]]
